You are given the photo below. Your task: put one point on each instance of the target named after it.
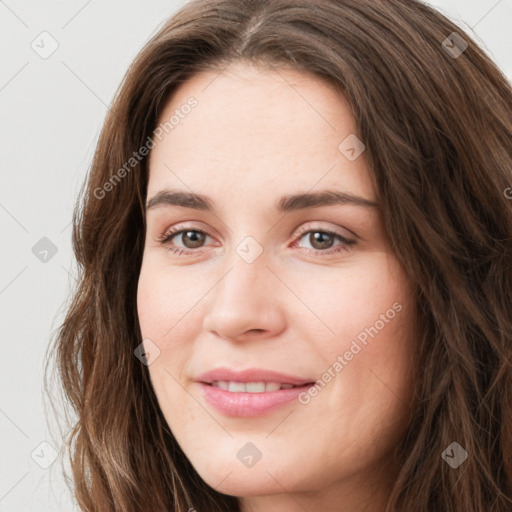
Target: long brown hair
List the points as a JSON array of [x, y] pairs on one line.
[[437, 125]]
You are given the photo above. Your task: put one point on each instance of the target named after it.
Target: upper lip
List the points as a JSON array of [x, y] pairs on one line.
[[251, 375]]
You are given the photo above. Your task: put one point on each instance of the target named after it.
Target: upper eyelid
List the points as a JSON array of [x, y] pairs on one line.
[[304, 228]]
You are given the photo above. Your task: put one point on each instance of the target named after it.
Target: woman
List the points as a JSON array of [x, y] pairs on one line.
[[217, 363]]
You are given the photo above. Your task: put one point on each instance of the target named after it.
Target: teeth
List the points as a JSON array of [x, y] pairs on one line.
[[272, 386], [255, 387], [236, 387], [250, 387]]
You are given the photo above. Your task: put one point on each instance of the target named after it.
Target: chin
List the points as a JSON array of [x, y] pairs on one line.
[[244, 483], [263, 478]]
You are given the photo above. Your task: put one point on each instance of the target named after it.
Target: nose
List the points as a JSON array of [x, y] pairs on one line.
[[245, 304]]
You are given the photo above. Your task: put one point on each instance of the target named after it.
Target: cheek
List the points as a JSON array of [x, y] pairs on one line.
[[164, 302], [159, 311], [356, 301], [370, 313], [168, 315], [146, 300]]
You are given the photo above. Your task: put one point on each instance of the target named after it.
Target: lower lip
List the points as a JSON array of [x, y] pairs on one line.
[[249, 404]]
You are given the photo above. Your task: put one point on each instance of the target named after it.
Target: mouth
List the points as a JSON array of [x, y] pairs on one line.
[[253, 387], [252, 378], [251, 392]]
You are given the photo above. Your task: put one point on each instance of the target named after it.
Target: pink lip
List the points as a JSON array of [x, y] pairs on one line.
[[250, 404], [251, 375]]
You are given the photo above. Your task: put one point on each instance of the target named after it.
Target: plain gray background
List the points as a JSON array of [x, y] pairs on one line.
[[51, 111]]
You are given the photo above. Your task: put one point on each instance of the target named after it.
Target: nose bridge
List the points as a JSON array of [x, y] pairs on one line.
[[247, 258], [247, 274], [244, 298]]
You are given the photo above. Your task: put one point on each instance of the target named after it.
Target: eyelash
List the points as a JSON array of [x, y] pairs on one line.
[[344, 246]]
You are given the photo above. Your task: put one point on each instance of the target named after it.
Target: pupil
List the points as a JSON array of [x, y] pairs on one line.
[[196, 237], [318, 237]]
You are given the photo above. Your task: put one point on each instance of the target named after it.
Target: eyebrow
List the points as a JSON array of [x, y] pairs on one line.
[[287, 203]]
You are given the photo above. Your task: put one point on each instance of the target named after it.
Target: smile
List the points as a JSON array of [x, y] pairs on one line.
[[250, 387], [251, 392], [250, 399]]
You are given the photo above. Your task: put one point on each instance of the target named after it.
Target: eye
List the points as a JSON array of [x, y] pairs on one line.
[[321, 240], [191, 238]]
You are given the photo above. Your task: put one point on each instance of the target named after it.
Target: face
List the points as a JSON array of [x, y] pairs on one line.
[[279, 319]]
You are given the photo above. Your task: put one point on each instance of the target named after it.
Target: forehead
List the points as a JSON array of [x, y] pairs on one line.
[[252, 128]]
